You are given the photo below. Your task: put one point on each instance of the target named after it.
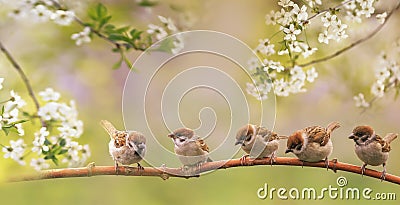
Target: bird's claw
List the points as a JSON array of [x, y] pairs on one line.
[[334, 160], [383, 175], [116, 168], [327, 163], [363, 169], [272, 159], [243, 159]]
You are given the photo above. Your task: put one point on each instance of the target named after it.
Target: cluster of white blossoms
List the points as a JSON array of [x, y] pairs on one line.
[[69, 127], [285, 76], [10, 111], [41, 11], [283, 80], [387, 76], [54, 141], [167, 28]]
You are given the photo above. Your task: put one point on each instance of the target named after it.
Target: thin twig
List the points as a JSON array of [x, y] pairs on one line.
[[337, 53], [24, 79], [165, 172], [83, 24], [326, 10]]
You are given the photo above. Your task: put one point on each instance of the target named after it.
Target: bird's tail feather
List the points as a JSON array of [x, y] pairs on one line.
[[108, 127]]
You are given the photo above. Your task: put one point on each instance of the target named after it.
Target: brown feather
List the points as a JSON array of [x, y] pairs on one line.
[[202, 145]]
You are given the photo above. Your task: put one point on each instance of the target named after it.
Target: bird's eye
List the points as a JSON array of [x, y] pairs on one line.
[[182, 139]]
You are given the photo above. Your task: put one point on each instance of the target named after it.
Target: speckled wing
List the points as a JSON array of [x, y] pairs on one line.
[[111, 130], [385, 142], [202, 145], [317, 134], [266, 134]]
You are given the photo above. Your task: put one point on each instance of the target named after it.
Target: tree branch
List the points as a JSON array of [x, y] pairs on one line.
[[24, 79], [337, 53], [165, 172]]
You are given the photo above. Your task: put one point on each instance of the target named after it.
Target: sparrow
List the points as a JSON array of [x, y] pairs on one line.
[[371, 148], [312, 144], [258, 142], [125, 147], [191, 150]]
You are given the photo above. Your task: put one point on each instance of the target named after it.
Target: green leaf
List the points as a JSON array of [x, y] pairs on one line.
[[63, 142], [119, 37], [147, 3], [6, 130], [55, 160], [166, 45], [2, 110], [63, 151], [135, 34], [117, 64], [101, 11], [122, 29], [104, 21], [19, 122]]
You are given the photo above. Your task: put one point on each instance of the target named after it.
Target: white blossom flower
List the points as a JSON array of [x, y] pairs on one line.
[[39, 164], [311, 74], [168, 23], [85, 151], [41, 13], [15, 151], [82, 37], [253, 63], [360, 101], [16, 99], [324, 37], [291, 32], [378, 89], [381, 17], [300, 13], [49, 95], [307, 50], [265, 47], [178, 44], [281, 87], [285, 3], [273, 65], [63, 18], [296, 85], [382, 73], [270, 19], [158, 31], [18, 13], [71, 129], [1, 83], [259, 90], [297, 73], [38, 142]]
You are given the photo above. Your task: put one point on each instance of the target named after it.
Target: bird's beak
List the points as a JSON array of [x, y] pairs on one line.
[[288, 150], [239, 142], [351, 136], [172, 136]]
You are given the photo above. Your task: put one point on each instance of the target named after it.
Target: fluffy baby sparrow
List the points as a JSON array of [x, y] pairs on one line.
[[312, 144], [371, 148], [191, 150], [125, 147], [257, 142]]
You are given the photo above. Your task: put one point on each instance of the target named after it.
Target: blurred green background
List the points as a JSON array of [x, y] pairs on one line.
[[84, 73]]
